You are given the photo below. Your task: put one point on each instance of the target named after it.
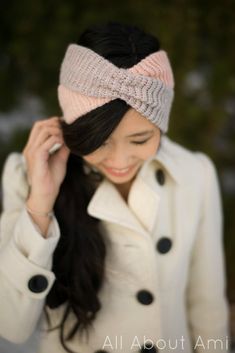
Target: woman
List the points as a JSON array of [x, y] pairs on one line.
[[113, 242]]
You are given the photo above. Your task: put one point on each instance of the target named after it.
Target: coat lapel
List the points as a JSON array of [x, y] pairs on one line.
[[144, 199], [107, 204]]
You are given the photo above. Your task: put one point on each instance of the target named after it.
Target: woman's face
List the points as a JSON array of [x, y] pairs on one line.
[[133, 141]]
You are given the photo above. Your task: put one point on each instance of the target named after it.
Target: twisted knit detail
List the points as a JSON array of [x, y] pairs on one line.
[[88, 80]]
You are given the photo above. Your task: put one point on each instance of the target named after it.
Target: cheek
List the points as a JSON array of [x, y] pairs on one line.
[[94, 158], [149, 150]]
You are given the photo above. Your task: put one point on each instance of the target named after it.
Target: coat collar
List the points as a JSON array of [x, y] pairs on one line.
[[140, 211], [167, 157]]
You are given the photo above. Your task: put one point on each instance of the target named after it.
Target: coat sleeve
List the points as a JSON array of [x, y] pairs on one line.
[[25, 256], [206, 296]]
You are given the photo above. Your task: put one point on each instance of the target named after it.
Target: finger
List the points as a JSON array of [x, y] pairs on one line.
[[39, 125], [48, 144], [44, 134], [62, 153]]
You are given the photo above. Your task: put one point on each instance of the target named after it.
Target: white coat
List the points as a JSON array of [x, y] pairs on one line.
[[165, 274]]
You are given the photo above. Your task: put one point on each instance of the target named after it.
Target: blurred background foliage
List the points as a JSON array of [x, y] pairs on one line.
[[199, 38]]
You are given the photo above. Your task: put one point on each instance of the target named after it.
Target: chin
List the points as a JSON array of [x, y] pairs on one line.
[[118, 181]]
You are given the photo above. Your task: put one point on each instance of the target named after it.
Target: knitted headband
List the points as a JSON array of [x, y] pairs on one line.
[[88, 80]]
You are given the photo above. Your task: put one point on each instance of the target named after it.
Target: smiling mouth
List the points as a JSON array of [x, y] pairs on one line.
[[119, 171]]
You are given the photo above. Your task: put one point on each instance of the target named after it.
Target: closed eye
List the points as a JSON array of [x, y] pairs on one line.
[[140, 142], [134, 142]]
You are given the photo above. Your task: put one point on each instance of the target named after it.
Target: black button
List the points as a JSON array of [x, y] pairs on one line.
[[164, 245], [160, 176], [38, 283], [148, 348], [145, 297], [101, 351]]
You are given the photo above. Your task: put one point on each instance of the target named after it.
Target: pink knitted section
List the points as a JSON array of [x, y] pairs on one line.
[[76, 104], [85, 86], [155, 65]]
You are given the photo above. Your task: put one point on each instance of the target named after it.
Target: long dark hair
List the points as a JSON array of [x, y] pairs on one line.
[[79, 258]]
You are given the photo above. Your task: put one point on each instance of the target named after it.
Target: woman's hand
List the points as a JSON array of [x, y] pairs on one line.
[[46, 172]]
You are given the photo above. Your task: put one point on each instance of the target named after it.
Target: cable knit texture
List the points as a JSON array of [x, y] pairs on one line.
[[88, 80]]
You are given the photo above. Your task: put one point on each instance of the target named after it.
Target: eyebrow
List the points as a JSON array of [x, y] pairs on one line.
[[141, 133]]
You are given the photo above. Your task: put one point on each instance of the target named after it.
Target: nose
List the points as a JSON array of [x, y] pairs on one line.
[[117, 158]]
